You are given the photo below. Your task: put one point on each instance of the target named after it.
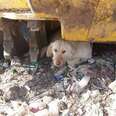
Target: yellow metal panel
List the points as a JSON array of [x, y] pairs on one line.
[[81, 20], [11, 4], [20, 9], [104, 22]]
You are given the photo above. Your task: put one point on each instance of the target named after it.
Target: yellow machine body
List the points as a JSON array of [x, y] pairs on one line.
[[81, 20]]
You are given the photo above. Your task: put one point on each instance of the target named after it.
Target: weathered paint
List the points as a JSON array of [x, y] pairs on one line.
[[81, 20], [13, 4], [28, 16]]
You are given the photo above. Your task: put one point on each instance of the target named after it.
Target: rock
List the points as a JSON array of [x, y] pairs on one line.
[[15, 92], [95, 93], [86, 96], [21, 109], [62, 105], [66, 113], [59, 90], [44, 112], [111, 105], [42, 95], [59, 87], [53, 108], [112, 86], [47, 99], [1, 92], [94, 110]]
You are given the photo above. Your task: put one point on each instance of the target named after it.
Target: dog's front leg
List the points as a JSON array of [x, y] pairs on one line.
[[37, 40], [7, 45]]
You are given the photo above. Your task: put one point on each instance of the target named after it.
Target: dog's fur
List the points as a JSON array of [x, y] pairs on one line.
[[69, 52], [14, 44]]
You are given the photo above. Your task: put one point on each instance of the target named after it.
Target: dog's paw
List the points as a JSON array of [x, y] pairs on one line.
[[15, 61]]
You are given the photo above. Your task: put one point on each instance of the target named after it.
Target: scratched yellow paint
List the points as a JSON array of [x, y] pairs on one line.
[[74, 34]]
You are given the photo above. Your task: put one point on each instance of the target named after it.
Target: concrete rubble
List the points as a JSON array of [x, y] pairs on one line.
[[58, 92]]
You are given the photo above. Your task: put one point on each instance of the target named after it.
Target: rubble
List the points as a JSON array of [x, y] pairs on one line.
[[112, 86], [80, 91]]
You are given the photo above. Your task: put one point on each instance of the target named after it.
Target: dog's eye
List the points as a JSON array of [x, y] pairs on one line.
[[55, 50], [63, 51]]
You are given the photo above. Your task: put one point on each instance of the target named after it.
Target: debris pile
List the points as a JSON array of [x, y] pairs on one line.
[[59, 92]]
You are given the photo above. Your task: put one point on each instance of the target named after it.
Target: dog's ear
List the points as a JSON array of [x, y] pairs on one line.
[[49, 50]]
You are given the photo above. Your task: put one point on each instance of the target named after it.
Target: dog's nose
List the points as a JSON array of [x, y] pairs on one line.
[[58, 63]]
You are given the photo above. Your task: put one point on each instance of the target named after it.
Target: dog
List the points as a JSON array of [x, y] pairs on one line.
[[14, 45], [69, 52]]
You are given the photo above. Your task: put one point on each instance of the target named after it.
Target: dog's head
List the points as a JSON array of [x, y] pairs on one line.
[[60, 51]]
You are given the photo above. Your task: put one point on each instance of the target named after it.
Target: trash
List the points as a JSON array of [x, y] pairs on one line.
[[47, 99], [59, 77], [86, 90], [37, 106], [53, 108], [112, 86], [58, 74]]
